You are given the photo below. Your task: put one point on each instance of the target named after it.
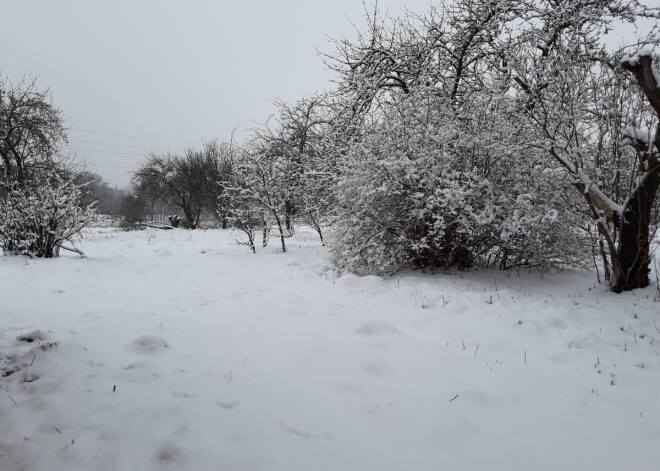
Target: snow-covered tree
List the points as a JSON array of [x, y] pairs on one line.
[[284, 173], [519, 91], [258, 192], [242, 211], [595, 110], [298, 139]]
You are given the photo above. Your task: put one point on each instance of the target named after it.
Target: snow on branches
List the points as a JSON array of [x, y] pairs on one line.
[[43, 217]]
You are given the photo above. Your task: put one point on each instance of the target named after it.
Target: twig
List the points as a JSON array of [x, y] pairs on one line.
[[476, 350], [57, 430], [33, 358], [453, 398], [656, 325], [12, 399], [73, 249]]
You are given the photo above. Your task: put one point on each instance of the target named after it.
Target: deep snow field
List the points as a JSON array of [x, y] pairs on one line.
[[183, 350]]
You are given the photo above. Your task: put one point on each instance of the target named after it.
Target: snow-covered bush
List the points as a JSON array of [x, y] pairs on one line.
[[427, 187], [43, 216]]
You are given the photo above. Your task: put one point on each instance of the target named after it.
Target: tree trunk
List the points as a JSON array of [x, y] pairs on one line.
[[280, 228], [190, 221], [196, 222], [633, 251], [289, 211], [632, 263], [317, 226]]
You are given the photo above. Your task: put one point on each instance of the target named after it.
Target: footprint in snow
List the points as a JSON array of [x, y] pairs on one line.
[[29, 377], [375, 368], [182, 394], [148, 344], [296, 431], [170, 455], [228, 404], [138, 365]]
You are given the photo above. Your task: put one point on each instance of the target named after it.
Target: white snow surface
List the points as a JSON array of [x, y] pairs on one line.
[[182, 350], [635, 58], [641, 134]]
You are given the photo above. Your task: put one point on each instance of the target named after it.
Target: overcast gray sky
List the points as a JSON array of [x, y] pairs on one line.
[[171, 69], [179, 70]]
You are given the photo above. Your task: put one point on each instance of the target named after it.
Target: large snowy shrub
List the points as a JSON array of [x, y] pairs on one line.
[[428, 187], [40, 218]]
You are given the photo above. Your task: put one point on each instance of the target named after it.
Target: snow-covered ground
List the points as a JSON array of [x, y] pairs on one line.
[[182, 350]]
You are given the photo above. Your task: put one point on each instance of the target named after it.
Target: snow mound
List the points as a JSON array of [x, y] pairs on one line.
[[377, 328], [148, 344], [369, 284], [354, 281]]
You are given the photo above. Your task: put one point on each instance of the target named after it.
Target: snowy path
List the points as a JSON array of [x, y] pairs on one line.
[[221, 359]]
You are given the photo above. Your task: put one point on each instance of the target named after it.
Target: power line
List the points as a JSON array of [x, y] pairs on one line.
[[108, 151], [110, 166], [127, 145], [135, 137]]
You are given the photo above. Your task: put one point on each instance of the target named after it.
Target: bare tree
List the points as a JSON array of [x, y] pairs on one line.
[[189, 182], [204, 171], [31, 129]]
